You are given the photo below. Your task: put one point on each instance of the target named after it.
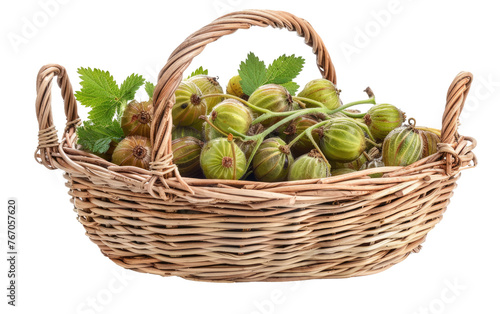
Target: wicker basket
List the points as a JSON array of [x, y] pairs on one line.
[[154, 221]]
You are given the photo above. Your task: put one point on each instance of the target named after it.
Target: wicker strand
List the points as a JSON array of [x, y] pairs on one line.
[[162, 167], [72, 125], [47, 135], [47, 138], [455, 100], [450, 152]]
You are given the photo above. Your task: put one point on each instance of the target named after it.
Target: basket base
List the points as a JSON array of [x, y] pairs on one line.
[[336, 269], [225, 242]]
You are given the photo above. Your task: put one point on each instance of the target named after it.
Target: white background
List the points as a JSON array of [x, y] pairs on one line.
[[407, 51]]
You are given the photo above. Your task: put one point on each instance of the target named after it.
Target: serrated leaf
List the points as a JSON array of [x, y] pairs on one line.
[[97, 86], [150, 88], [253, 73], [129, 86], [292, 87], [97, 138], [102, 145], [199, 71], [103, 113], [284, 69]]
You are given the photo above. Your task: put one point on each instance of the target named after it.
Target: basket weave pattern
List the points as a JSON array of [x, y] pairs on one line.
[[154, 221]]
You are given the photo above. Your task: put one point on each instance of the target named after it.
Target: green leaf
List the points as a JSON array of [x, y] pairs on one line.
[[150, 88], [130, 86], [97, 138], [101, 93], [199, 71], [97, 87], [284, 69], [253, 73], [292, 87], [104, 112], [102, 145]]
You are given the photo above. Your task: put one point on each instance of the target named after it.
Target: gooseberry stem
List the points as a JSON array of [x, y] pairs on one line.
[[373, 143], [308, 132], [354, 115], [368, 157], [253, 107], [310, 101], [365, 128], [289, 116], [309, 135], [207, 120], [297, 113], [312, 127], [292, 115], [242, 136], [254, 151], [301, 104]]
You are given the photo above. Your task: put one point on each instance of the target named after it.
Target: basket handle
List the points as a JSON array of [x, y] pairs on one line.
[[47, 134], [170, 76], [455, 100]]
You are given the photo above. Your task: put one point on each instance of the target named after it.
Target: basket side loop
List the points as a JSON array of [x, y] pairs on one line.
[[455, 100], [48, 141], [170, 76]]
